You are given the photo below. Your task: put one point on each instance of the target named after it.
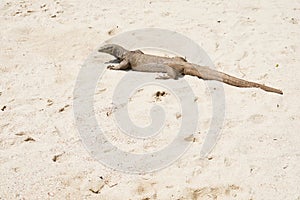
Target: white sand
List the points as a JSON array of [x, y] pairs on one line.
[[43, 45]]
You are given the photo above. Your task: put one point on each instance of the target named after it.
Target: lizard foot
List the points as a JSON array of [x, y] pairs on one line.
[[162, 77], [110, 67]]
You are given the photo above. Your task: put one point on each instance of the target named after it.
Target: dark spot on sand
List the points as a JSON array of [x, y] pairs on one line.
[[3, 108]]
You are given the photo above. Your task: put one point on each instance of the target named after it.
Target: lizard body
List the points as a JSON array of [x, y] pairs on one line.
[[174, 67]]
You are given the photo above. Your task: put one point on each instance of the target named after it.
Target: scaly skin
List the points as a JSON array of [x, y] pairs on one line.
[[174, 67]]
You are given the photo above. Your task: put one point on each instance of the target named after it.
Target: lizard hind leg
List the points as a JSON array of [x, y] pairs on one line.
[[170, 74]]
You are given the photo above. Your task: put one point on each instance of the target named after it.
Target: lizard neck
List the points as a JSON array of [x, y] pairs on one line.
[[119, 52]]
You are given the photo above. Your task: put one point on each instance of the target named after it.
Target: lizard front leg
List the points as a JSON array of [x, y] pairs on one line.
[[123, 65]]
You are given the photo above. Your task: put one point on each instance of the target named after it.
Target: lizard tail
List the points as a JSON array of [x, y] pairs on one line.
[[206, 73]]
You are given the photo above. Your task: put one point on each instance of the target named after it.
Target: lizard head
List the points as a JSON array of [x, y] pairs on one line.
[[113, 49]]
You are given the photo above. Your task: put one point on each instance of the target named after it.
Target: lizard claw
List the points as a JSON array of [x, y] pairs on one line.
[[162, 77], [110, 67]]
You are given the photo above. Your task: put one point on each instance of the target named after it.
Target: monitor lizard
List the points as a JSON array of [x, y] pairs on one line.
[[174, 67]]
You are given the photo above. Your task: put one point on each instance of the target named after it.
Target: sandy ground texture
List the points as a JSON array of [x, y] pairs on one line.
[[43, 46]]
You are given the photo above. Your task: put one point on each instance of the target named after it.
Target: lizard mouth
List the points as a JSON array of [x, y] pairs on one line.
[[104, 49]]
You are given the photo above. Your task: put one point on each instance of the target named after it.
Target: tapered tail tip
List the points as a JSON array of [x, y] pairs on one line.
[[281, 92]]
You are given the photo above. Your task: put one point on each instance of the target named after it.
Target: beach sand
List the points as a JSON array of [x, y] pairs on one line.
[[44, 45]]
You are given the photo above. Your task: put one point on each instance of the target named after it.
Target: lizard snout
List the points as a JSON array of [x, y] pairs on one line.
[[106, 49]]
